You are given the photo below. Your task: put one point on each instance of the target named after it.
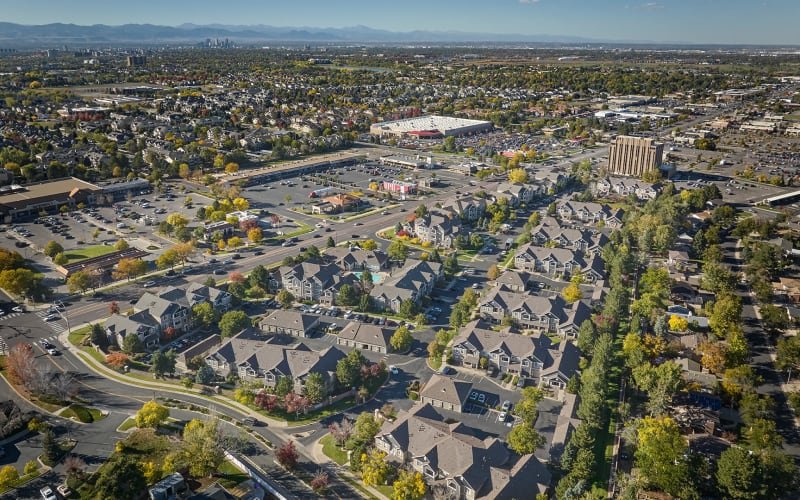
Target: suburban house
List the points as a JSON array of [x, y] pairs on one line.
[[357, 259], [366, 337], [451, 453], [437, 228], [445, 392], [414, 280], [590, 213], [532, 312], [166, 312], [142, 324], [289, 322], [468, 208], [566, 423], [254, 357]]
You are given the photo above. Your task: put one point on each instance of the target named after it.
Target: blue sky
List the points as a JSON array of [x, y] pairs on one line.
[[691, 21]]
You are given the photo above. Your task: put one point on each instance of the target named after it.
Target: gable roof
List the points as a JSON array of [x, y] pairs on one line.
[[365, 333], [288, 318], [449, 390]]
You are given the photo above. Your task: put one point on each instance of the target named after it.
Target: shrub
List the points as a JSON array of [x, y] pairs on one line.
[[82, 414], [413, 396]]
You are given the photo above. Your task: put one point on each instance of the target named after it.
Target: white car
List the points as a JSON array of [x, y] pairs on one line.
[[51, 317], [18, 309], [149, 284], [393, 370], [47, 493]]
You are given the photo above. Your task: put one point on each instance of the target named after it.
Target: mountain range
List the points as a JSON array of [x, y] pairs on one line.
[[55, 35]]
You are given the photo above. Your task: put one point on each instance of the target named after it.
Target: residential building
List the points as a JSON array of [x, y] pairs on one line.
[[357, 259], [197, 293], [558, 263], [547, 315], [452, 454], [415, 280], [550, 232], [624, 186], [307, 280], [366, 337], [166, 312], [289, 322], [437, 228], [590, 213], [141, 324], [445, 392], [633, 156], [256, 358], [468, 208]]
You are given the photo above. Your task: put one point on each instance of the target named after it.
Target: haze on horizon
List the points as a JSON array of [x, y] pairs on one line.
[[738, 22]]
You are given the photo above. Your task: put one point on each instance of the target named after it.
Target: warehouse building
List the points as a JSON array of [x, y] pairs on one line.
[[429, 127]]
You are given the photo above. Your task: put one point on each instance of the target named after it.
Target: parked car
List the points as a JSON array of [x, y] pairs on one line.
[[149, 284], [47, 493], [446, 370], [393, 370]]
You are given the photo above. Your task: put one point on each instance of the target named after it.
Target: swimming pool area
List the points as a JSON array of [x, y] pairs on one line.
[[376, 277]]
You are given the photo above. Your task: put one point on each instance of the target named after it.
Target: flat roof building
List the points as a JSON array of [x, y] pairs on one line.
[[633, 156], [18, 202], [430, 126]]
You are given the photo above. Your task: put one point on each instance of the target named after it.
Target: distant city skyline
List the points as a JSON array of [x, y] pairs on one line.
[[738, 22]]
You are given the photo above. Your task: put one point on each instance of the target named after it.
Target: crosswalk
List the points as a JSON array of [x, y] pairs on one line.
[[57, 326], [10, 315]]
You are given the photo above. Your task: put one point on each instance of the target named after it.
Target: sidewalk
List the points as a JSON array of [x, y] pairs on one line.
[[319, 457], [161, 386]]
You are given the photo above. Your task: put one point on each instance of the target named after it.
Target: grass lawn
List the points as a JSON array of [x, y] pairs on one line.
[[357, 485], [232, 475], [77, 336], [385, 489], [332, 450], [88, 252], [127, 425]]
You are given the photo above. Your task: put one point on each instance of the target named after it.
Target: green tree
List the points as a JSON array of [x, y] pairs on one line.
[[163, 363], [284, 386], [526, 408], [285, 298], [738, 473], [331, 242], [98, 336], [397, 251], [408, 308], [121, 245], [315, 389], [401, 339], [18, 281], [408, 486], [52, 248], [659, 456], [202, 445], [205, 375], [347, 296], [451, 265], [132, 344], [523, 439], [348, 369], [168, 259], [8, 474], [60, 259], [205, 315], [375, 470], [151, 415], [233, 322], [79, 281], [124, 480]]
